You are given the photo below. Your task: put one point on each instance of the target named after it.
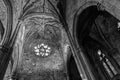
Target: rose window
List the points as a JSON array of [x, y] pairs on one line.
[[42, 49]]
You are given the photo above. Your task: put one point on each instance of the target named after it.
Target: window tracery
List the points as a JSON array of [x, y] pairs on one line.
[[42, 49]]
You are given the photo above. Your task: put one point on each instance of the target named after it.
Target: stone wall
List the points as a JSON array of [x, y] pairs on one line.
[[111, 6]]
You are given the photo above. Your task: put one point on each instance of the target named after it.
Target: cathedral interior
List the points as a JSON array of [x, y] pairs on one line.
[[59, 40]]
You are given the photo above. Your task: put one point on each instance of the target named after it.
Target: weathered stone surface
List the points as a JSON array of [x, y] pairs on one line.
[[112, 6], [43, 75], [45, 27]]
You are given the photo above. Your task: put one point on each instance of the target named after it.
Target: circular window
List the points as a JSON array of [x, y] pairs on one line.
[[42, 50]]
